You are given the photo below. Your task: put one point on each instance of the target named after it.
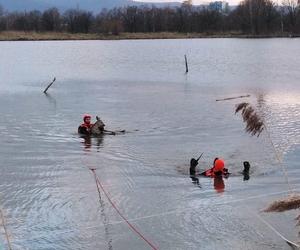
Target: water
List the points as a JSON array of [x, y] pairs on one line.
[[48, 194]]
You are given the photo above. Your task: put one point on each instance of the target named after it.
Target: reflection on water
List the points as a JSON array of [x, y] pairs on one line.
[[51, 99], [108, 235], [106, 222], [48, 192], [282, 117], [195, 180], [87, 141], [219, 184]]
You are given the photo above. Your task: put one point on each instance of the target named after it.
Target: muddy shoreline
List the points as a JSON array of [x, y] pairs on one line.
[[59, 36]]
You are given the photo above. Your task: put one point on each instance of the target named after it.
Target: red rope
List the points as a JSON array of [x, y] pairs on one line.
[[134, 229]]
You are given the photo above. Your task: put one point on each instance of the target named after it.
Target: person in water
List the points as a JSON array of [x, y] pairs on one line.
[[193, 165], [85, 127], [218, 169], [246, 170]]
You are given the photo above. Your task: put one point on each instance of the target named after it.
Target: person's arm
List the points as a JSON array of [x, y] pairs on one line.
[[226, 173], [83, 130]]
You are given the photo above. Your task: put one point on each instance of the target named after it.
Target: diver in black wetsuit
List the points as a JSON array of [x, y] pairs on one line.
[[246, 170], [193, 165]]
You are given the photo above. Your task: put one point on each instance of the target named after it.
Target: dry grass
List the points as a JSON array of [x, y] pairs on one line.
[[41, 36], [254, 124], [288, 203]]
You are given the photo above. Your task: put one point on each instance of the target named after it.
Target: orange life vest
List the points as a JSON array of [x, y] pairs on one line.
[[211, 173]]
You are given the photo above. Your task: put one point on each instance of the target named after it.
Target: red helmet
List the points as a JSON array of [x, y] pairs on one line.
[[219, 165], [85, 116]]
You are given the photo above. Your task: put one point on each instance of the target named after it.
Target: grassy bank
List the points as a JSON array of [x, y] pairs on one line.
[[44, 36]]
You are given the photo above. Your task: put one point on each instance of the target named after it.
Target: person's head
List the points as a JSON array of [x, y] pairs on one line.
[[87, 118], [193, 162], [246, 166], [218, 165]]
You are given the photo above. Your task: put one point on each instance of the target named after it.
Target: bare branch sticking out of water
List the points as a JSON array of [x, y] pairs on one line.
[[186, 65], [46, 89], [288, 203], [254, 124], [232, 98]]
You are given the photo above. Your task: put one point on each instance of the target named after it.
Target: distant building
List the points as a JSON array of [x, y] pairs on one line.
[[220, 6], [188, 2]]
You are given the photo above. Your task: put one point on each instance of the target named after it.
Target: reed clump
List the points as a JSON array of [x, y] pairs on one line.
[[288, 203], [254, 126]]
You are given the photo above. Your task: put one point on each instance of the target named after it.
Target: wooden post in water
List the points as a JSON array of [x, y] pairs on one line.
[[186, 65], [45, 91]]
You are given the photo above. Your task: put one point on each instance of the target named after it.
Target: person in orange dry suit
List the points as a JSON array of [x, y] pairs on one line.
[[218, 169], [86, 126]]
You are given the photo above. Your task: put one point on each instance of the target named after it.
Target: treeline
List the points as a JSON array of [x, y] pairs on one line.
[[250, 17]]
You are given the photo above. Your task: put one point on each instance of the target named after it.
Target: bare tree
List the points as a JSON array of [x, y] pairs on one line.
[[34, 20], [291, 7], [2, 19], [51, 20], [1, 10], [78, 21], [257, 16]]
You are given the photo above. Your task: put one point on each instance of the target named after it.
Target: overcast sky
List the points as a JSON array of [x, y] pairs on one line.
[[231, 2]]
